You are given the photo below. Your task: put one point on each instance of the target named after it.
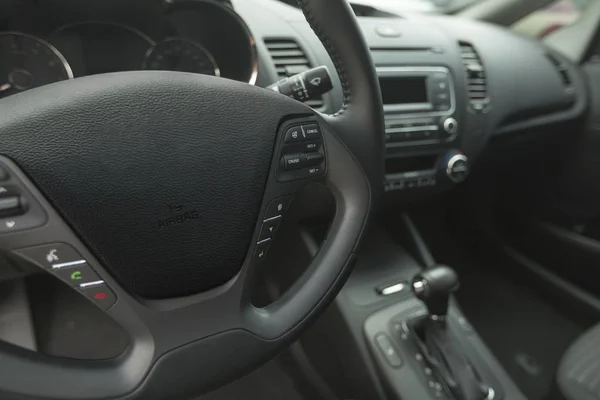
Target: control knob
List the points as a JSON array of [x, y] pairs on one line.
[[455, 165]]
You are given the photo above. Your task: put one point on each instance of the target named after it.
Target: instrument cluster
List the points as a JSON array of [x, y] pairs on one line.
[[202, 37]]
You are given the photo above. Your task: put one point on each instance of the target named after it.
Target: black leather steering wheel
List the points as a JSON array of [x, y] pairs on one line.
[[160, 182]]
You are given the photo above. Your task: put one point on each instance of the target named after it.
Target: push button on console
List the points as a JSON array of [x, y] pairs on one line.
[[53, 255]]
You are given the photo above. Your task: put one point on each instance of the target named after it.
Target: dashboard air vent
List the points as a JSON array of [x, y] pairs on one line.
[[290, 59], [476, 78]]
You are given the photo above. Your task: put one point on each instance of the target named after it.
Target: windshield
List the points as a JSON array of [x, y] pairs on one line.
[[423, 6]]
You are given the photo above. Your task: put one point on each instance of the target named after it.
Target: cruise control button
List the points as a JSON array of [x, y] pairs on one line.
[[311, 131], [268, 228], [294, 134], [100, 294], [51, 255], [294, 161], [262, 248], [77, 275], [278, 206], [313, 158], [311, 146], [313, 171]]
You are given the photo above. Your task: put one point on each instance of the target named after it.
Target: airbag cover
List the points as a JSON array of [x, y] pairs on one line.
[[160, 173]]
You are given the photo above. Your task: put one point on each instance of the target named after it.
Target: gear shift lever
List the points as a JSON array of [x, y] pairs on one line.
[[438, 343], [434, 286]]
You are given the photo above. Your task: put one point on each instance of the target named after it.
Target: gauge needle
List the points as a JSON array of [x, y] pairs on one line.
[[5, 87]]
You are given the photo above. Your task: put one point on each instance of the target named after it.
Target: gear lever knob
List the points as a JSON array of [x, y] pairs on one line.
[[434, 286]]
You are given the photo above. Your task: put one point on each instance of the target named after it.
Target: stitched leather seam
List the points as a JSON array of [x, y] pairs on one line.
[[331, 49]]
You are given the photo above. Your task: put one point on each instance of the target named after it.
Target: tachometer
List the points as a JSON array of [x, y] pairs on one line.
[[180, 54], [27, 62]]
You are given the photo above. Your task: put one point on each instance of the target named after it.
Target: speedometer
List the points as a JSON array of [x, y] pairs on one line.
[[180, 54], [27, 62]]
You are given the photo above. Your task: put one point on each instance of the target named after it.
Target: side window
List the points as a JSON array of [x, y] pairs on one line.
[[556, 15]]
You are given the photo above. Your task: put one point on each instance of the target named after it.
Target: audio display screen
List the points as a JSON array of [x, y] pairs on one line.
[[403, 90]]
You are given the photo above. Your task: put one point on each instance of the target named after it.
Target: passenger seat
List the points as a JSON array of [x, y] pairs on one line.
[[579, 370]]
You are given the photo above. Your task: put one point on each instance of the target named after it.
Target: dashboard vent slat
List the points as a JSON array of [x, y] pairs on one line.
[[476, 78], [290, 59]]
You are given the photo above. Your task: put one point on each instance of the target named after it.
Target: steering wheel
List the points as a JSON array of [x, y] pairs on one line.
[[158, 186]]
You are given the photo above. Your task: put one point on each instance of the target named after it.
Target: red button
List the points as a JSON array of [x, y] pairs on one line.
[[100, 294]]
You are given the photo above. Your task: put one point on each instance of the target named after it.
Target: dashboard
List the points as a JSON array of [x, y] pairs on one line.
[[449, 85], [50, 41]]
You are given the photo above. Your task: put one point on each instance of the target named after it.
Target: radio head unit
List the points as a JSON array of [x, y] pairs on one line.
[[419, 105], [407, 90]]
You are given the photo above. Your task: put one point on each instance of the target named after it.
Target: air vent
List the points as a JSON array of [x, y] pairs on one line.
[[290, 59], [562, 71], [476, 79]]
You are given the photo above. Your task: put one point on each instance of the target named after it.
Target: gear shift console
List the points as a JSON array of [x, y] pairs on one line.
[[437, 341], [434, 286]]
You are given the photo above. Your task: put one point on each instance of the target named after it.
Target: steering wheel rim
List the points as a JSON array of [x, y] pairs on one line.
[[172, 345]]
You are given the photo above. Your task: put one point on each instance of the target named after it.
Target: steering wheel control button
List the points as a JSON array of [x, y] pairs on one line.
[[99, 293], [294, 161], [278, 206], [311, 131], [294, 135], [10, 206], [77, 275], [313, 158], [269, 227], [53, 255], [262, 248], [311, 146]]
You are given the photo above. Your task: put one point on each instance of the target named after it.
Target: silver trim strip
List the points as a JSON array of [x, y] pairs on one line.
[[263, 241], [68, 264], [272, 218], [413, 129], [95, 283]]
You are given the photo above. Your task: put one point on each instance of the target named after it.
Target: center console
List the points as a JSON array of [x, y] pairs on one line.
[[422, 128], [398, 332]]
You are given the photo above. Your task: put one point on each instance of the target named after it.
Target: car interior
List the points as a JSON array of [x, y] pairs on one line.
[[299, 200]]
